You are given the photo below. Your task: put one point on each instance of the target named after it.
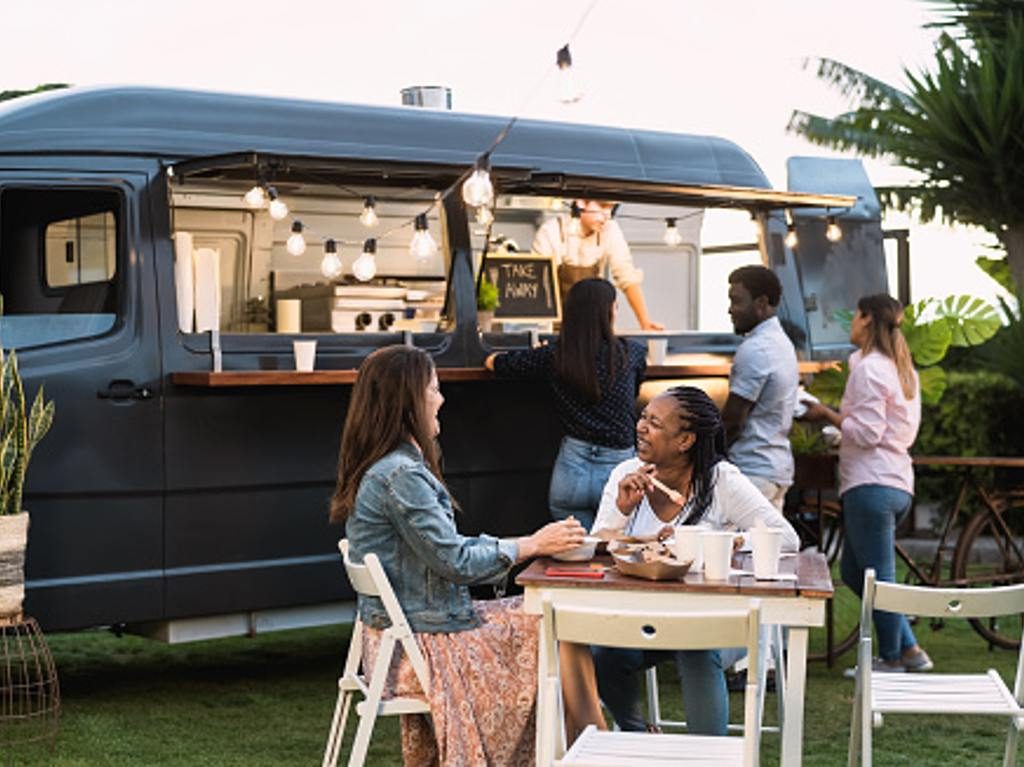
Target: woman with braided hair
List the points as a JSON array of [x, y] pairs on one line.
[[878, 417], [680, 440]]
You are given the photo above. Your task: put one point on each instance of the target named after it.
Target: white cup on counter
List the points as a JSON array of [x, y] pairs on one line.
[[688, 546], [766, 545], [657, 348], [305, 355], [717, 548]]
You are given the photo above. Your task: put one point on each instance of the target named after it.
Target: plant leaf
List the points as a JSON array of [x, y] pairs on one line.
[[928, 342], [933, 384], [971, 320]]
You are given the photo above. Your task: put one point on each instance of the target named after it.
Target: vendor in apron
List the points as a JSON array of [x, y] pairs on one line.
[[599, 250]]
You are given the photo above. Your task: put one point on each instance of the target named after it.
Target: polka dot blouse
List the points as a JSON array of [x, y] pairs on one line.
[[609, 422]]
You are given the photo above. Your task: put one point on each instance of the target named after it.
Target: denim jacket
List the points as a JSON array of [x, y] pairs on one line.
[[403, 514]]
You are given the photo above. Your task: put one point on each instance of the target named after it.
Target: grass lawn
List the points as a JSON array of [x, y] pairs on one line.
[[268, 701]]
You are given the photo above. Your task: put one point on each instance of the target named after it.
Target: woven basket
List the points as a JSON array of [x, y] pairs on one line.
[[13, 539]]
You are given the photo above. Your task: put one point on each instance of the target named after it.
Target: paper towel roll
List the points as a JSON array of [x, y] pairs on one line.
[[289, 315], [207, 272], [183, 280]]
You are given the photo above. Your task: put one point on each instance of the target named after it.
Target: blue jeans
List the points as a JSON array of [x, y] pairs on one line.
[[579, 476], [870, 516], [705, 696]]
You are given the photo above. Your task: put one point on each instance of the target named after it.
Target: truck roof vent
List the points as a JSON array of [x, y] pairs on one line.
[[429, 96]]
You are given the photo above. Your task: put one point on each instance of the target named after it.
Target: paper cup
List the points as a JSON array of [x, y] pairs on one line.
[[717, 548], [656, 349], [305, 355], [289, 315], [766, 544], [688, 546]]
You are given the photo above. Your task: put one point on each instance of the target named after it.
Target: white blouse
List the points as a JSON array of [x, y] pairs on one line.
[[735, 503]]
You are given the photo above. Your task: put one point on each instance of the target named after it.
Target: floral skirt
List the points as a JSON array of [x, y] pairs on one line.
[[483, 690]]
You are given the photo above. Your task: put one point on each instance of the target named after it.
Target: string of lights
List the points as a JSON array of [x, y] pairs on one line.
[[478, 192]]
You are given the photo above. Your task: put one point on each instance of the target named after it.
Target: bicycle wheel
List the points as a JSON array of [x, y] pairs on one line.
[[987, 555]]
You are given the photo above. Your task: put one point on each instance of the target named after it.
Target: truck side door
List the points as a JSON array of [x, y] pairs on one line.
[[79, 307]]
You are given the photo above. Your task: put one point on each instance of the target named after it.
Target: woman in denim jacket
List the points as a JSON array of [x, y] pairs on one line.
[[595, 377], [482, 655]]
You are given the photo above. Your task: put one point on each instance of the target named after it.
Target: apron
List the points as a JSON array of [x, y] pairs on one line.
[[569, 275]]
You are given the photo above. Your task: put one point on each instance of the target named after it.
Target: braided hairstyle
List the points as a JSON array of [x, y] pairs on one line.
[[697, 413]]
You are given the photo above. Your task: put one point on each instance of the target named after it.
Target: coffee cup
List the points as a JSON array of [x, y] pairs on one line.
[[766, 545], [305, 355], [688, 546], [717, 548]]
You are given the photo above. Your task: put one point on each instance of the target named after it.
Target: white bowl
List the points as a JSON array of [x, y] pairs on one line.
[[581, 553]]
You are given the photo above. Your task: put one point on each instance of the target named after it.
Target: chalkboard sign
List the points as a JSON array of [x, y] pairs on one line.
[[527, 287]]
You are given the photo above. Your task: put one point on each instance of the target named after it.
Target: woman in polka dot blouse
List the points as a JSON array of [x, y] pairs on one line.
[[595, 377]]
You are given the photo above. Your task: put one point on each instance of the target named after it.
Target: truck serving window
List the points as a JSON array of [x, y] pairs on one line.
[[306, 271], [59, 254]]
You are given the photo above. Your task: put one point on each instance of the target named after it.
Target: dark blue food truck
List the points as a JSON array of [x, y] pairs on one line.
[[161, 250]]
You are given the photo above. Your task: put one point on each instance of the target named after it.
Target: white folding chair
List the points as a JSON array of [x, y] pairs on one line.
[[774, 633], [656, 631], [370, 579], [877, 693]]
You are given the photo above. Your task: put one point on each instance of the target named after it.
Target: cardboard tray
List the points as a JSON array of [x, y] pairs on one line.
[[659, 570]]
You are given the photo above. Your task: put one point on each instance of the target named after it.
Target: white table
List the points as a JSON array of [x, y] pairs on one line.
[[795, 605]]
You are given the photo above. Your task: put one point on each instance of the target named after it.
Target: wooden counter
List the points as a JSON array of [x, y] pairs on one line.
[[228, 378]]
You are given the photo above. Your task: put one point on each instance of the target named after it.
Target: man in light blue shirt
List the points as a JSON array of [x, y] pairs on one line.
[[762, 384]]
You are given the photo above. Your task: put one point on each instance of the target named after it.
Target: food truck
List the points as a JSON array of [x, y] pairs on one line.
[[152, 282]]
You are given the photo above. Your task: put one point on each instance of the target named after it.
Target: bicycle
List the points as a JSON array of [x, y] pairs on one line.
[[970, 555]]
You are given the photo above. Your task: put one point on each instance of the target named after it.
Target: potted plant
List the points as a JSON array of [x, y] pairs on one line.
[[486, 303], [20, 432]]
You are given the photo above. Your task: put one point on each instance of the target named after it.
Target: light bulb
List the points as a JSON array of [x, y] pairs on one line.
[[672, 236], [478, 189], [278, 209], [791, 237], [296, 244], [255, 198], [569, 90], [368, 217], [422, 245], [330, 266], [832, 231], [484, 217], [575, 228], [365, 267]]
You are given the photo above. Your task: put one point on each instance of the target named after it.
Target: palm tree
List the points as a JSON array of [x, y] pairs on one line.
[[960, 126]]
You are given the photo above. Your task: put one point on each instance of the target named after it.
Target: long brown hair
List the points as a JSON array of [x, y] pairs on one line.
[[885, 336], [387, 408], [586, 323]]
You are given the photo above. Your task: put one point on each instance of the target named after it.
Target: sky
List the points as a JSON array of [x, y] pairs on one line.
[[729, 68]]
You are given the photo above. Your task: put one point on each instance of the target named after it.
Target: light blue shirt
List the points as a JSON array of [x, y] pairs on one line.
[[764, 371]]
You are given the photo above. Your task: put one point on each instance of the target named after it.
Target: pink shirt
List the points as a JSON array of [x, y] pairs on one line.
[[879, 425]]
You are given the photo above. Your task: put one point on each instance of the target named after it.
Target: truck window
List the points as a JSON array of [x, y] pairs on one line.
[[59, 255], [81, 250]]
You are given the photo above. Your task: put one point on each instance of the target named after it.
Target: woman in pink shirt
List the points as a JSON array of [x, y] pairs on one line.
[[878, 417]]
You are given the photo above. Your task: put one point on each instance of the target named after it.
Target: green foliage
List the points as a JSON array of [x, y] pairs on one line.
[[957, 124], [998, 269], [828, 385], [13, 94], [982, 413], [487, 296], [931, 326], [1004, 353], [20, 432]]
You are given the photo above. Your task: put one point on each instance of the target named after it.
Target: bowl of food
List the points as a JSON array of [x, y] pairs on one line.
[[654, 561], [585, 551]]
